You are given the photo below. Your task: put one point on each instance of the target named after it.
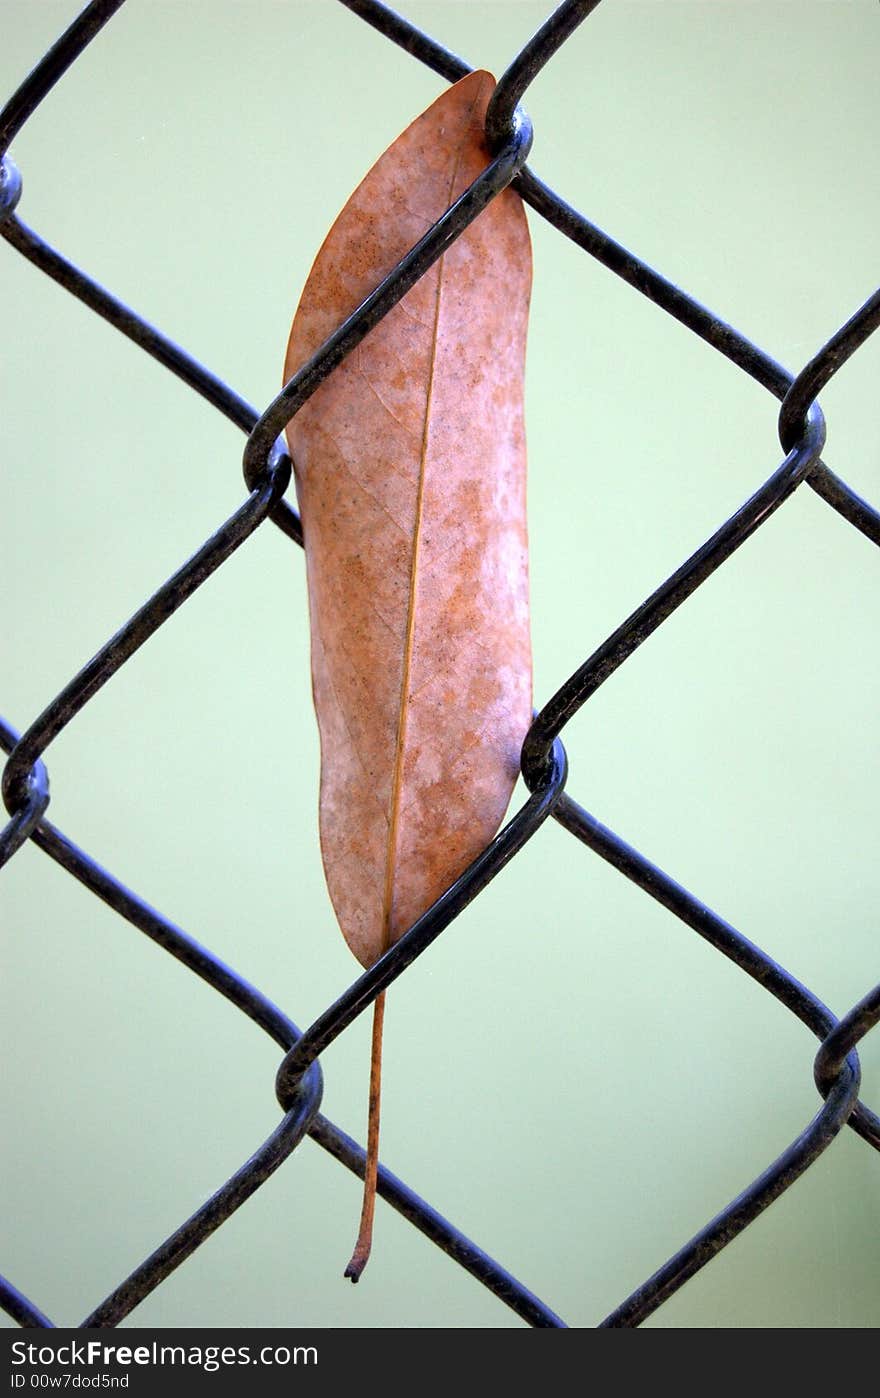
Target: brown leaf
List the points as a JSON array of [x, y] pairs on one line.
[[410, 475]]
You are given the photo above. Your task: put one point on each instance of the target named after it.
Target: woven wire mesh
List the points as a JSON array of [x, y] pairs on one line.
[[544, 766]]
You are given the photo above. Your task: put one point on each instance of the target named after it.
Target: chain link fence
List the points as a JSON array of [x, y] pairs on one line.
[[544, 766]]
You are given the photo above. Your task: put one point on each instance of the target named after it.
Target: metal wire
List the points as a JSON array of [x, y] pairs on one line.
[[266, 467]]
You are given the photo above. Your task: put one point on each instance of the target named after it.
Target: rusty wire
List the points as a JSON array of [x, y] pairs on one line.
[[266, 469]]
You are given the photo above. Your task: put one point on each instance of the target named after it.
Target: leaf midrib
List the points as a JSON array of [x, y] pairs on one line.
[[403, 708]]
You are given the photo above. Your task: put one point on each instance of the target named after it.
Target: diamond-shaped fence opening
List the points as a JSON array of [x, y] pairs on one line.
[[785, 471]]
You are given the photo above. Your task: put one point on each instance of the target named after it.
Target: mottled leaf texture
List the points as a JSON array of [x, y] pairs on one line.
[[410, 474]]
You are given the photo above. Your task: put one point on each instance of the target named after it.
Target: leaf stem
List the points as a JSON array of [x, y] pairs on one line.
[[361, 1254]]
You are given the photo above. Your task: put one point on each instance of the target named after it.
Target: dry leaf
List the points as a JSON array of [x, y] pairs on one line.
[[410, 475]]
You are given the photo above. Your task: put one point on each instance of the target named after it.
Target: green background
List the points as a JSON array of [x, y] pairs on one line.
[[572, 1076]]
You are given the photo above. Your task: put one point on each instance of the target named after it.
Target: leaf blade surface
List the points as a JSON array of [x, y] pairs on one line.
[[410, 475]]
